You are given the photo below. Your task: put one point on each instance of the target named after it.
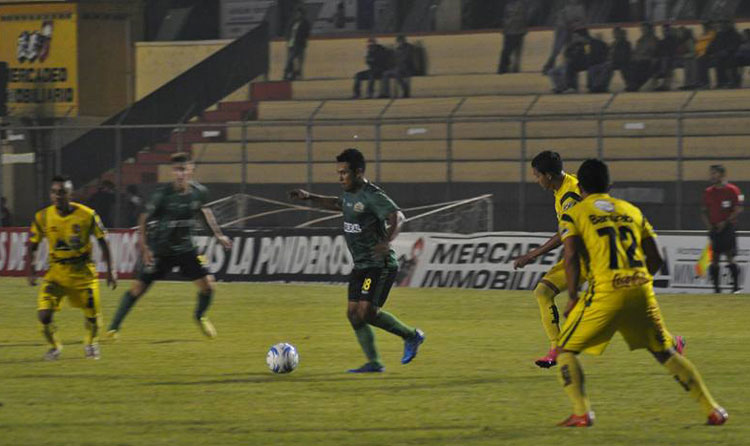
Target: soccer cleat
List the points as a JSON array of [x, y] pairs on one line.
[[718, 417], [92, 351], [52, 354], [549, 360], [370, 367], [207, 327], [574, 420], [411, 346], [112, 335], [680, 344]]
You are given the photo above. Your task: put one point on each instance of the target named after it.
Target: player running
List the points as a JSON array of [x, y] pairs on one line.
[[173, 208], [618, 247], [68, 228], [548, 171], [371, 221]]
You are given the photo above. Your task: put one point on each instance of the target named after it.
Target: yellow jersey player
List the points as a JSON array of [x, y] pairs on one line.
[[548, 171], [618, 247], [68, 228]]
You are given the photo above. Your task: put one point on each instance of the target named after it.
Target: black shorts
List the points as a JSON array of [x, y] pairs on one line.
[[190, 265], [724, 242], [371, 284]]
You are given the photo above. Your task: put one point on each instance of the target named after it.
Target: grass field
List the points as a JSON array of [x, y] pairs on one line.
[[473, 382]]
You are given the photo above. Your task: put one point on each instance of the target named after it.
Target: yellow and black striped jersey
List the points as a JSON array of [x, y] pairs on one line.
[[612, 231], [68, 237], [567, 195]]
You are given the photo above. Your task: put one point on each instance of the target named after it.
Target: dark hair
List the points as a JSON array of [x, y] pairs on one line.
[[593, 176], [548, 162], [719, 168], [108, 184], [181, 157], [60, 179], [354, 157], [583, 32], [132, 189]]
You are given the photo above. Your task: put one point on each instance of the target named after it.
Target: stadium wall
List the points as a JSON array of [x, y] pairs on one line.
[[474, 261]]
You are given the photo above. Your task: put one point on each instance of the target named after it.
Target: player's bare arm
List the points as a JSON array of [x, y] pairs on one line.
[[111, 272], [146, 254], [393, 224], [704, 217], [572, 270], [30, 268], [321, 201], [552, 243], [654, 261], [210, 219]]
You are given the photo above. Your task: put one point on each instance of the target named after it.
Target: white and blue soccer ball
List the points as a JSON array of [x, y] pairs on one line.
[[282, 358]]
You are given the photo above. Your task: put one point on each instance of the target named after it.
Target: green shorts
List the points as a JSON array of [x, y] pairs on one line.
[[371, 284]]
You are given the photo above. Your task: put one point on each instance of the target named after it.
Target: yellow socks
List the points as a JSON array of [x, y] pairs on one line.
[[92, 330], [571, 377], [50, 334], [545, 297], [687, 375]]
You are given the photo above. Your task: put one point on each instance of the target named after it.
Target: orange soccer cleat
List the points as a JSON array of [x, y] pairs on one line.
[[574, 420]]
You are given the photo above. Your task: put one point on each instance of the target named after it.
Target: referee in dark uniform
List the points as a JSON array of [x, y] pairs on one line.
[[722, 203]]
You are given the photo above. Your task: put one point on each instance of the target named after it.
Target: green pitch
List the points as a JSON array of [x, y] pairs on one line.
[[473, 383]]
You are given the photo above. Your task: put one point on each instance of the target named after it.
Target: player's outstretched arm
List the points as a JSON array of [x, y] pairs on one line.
[[210, 219], [654, 260], [321, 201], [529, 257], [30, 268], [572, 270], [111, 272]]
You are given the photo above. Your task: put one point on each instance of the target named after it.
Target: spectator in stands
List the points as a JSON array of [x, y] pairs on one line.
[[571, 15], [296, 38], [621, 52], [643, 60], [377, 62], [702, 59], [686, 57], [723, 52], [666, 50], [133, 204], [743, 55], [103, 202], [339, 18], [514, 30], [403, 68], [565, 76], [599, 67], [5, 217]]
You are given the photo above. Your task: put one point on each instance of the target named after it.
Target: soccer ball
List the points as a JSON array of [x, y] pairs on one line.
[[282, 358]]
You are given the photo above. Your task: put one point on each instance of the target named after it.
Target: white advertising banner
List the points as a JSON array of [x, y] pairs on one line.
[[485, 261]]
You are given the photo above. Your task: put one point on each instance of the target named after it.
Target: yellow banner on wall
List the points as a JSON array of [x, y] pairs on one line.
[[40, 44]]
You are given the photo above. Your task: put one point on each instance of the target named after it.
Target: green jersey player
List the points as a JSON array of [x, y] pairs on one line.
[[172, 211], [371, 221]]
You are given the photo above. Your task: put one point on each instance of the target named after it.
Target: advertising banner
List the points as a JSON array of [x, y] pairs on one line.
[[39, 43], [485, 261], [427, 260]]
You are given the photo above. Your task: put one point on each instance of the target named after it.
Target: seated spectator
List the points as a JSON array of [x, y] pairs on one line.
[[599, 71], [377, 62], [565, 77], [702, 59], [514, 29], [621, 52], [570, 15], [403, 68], [723, 52], [666, 53], [685, 57], [743, 55], [644, 58]]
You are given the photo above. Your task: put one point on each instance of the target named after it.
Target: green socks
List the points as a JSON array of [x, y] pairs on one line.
[[391, 324], [204, 301], [126, 303], [366, 338]]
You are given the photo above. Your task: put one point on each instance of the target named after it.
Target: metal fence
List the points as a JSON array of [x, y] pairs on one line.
[[246, 147]]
